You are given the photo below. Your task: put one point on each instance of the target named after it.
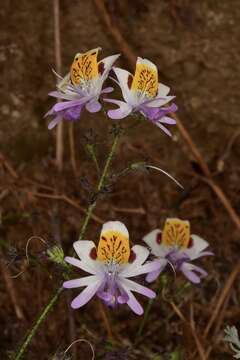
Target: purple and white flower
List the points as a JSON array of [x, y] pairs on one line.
[[111, 265], [81, 87], [178, 248], [142, 93]]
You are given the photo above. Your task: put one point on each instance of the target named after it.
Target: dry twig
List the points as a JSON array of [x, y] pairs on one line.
[[192, 328], [11, 290], [222, 298], [67, 200]]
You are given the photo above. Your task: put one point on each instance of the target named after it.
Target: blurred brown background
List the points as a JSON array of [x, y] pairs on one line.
[[195, 45]]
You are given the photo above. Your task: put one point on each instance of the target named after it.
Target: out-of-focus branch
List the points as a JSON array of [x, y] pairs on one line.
[[58, 64]]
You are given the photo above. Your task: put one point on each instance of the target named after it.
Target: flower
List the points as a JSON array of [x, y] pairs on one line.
[[177, 247], [142, 93], [231, 336], [111, 264], [81, 87]]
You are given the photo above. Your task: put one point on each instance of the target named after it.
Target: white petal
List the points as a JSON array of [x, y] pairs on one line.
[[141, 253], [123, 111], [163, 90], [199, 245], [133, 286], [159, 101], [147, 62], [92, 268], [54, 122], [129, 271], [108, 62], [83, 248], [132, 302], [86, 295], [115, 226], [154, 275], [123, 76], [151, 240], [75, 283]]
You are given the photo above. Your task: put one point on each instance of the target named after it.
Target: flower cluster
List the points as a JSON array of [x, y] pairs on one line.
[[112, 263], [111, 266], [82, 88]]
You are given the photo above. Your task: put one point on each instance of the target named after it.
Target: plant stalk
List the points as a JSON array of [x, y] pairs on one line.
[[54, 299]]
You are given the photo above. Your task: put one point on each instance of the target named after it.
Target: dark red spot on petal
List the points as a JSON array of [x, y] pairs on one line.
[[130, 80], [190, 244], [159, 238], [93, 253], [101, 68], [132, 257]]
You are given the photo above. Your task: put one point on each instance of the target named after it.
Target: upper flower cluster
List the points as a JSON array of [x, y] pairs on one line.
[[82, 88]]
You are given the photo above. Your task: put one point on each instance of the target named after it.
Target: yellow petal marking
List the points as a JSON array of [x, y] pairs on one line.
[[84, 67], [176, 232], [145, 80], [113, 247]]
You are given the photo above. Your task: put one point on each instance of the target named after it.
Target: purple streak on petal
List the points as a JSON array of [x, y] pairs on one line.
[[50, 112], [156, 114], [123, 299], [164, 129], [104, 296], [75, 283], [204, 253], [86, 295], [134, 304], [191, 271], [93, 106], [107, 90], [152, 276], [60, 95], [134, 286], [120, 113], [142, 269], [54, 122], [158, 101], [191, 276], [168, 120], [69, 104]]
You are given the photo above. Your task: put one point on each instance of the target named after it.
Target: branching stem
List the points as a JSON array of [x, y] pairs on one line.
[[18, 355]]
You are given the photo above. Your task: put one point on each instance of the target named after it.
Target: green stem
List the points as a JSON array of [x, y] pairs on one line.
[[54, 299], [40, 319], [144, 320], [162, 282], [100, 185]]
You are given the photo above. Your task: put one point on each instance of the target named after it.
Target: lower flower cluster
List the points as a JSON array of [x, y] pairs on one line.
[[113, 262]]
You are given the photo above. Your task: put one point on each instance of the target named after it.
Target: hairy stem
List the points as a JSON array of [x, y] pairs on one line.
[[100, 185], [144, 320], [42, 316], [54, 299]]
